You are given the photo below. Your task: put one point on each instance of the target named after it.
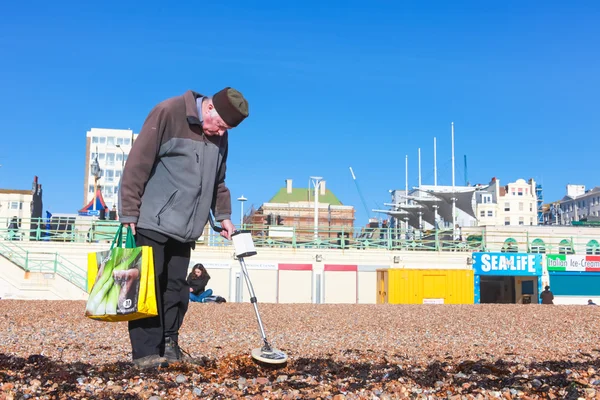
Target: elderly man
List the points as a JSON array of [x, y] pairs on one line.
[[174, 176]]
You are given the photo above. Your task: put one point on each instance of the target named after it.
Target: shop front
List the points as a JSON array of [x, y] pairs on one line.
[[507, 277], [574, 279]]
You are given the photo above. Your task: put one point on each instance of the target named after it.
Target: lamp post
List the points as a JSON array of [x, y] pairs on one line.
[[122, 157], [316, 182], [242, 199], [96, 173]]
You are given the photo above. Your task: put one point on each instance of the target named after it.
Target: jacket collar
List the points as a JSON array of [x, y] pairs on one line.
[[191, 110]]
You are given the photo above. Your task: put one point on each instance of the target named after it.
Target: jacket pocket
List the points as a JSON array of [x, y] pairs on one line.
[[167, 206]]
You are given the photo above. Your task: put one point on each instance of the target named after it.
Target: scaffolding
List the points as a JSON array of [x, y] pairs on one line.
[[540, 203]]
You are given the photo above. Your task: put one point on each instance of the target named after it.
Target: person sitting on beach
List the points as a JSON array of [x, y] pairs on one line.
[[197, 280]]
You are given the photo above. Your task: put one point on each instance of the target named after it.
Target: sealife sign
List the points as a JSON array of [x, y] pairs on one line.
[[508, 264], [577, 263]]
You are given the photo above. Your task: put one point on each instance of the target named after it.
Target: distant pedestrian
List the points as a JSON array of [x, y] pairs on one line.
[[547, 296], [591, 303]]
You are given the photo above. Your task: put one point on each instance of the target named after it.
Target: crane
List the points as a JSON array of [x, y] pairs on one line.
[[360, 194]]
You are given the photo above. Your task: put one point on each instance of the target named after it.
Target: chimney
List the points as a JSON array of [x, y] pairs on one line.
[[322, 187], [288, 183]]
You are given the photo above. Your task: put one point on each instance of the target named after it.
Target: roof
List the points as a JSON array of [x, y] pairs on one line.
[[15, 191], [100, 204], [300, 194]]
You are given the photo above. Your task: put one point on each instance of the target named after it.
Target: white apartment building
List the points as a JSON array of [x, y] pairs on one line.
[[579, 204], [112, 147], [15, 203], [513, 204]]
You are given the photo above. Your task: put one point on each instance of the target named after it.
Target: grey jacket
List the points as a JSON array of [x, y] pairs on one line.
[[174, 173]]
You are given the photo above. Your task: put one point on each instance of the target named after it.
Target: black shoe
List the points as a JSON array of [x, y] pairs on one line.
[[172, 350], [152, 361], [174, 353]]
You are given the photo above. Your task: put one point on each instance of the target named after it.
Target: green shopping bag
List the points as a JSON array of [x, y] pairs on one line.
[[121, 281]]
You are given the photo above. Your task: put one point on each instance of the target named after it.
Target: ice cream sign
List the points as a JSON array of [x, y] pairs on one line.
[[581, 263], [509, 264]]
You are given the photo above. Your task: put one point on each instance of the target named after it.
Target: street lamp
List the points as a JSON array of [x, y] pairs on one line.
[[96, 173], [316, 182], [122, 157], [242, 199]]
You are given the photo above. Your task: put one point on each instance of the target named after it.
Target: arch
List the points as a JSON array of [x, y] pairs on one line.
[[565, 247], [510, 246], [538, 246], [592, 247]]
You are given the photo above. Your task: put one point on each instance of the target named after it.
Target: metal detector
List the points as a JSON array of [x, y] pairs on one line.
[[244, 247]]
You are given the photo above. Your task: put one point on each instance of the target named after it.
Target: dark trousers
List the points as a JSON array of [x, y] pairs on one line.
[[171, 261]]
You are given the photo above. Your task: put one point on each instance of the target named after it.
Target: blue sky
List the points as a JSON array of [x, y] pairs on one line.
[[330, 85]]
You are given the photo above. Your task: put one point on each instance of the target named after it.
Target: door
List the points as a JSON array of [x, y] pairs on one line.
[[382, 287]]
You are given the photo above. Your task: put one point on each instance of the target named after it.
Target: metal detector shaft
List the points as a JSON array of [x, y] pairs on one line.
[[254, 301], [250, 288]]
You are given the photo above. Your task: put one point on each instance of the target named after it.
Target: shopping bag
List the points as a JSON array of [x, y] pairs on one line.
[[121, 281]]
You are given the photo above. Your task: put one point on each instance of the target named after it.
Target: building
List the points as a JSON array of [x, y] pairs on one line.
[[578, 204], [17, 208], [15, 203], [112, 147], [512, 204], [294, 209]]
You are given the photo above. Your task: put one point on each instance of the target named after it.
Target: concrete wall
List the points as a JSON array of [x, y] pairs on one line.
[[15, 283], [277, 275]]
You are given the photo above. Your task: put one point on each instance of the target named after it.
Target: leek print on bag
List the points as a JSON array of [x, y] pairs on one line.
[[117, 284]]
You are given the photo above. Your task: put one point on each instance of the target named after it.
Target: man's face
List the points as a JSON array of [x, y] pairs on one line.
[[213, 124]]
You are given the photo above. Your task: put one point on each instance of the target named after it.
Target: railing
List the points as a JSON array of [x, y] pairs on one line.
[[44, 262], [569, 240]]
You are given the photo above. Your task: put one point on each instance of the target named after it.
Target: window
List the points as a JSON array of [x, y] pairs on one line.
[[101, 156], [109, 175], [110, 141], [481, 214], [94, 139], [506, 221], [538, 246], [510, 246], [564, 247], [102, 140], [521, 221], [592, 248], [530, 221], [506, 206], [119, 157], [530, 207], [520, 192], [120, 141], [14, 205], [110, 159], [117, 174], [116, 190], [490, 213], [107, 190], [91, 189], [126, 141], [521, 206]]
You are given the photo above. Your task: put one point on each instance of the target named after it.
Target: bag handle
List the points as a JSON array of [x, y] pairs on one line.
[[129, 239], [118, 237]]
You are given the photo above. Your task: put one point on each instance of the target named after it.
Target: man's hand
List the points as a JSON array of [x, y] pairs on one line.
[[228, 228], [132, 225]]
